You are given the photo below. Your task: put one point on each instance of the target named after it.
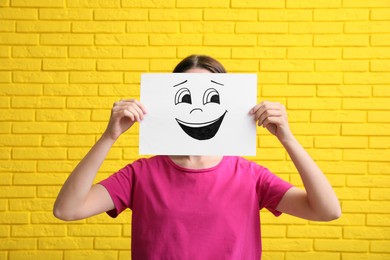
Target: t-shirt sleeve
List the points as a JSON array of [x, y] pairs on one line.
[[119, 186], [270, 189]]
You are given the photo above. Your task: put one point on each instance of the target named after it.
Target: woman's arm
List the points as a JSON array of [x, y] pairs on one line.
[[79, 198], [318, 201]]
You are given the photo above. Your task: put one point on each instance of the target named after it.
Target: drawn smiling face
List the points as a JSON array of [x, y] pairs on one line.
[[198, 123]]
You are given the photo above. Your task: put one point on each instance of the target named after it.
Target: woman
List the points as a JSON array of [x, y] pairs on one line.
[[196, 207]]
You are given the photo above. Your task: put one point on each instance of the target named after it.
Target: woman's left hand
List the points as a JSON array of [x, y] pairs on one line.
[[273, 116]]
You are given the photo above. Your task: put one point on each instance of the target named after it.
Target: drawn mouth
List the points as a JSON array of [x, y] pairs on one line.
[[202, 131]]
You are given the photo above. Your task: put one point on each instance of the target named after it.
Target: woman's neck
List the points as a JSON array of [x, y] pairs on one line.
[[196, 162]]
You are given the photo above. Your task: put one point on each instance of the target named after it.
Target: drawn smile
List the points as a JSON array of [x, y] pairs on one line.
[[202, 131]]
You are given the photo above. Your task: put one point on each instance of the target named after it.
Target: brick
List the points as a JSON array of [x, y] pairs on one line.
[[285, 15], [20, 64], [98, 27], [39, 153], [380, 65], [381, 91], [31, 204], [17, 166], [380, 39], [382, 247], [70, 89], [345, 91], [54, 166], [367, 53], [65, 115], [90, 102], [367, 78], [18, 39], [4, 51], [87, 127], [245, 66], [5, 153], [379, 116], [315, 78], [66, 39], [93, 3], [284, 40], [38, 128], [341, 40], [68, 141], [287, 90], [276, 244], [176, 40], [79, 153], [122, 39], [366, 103], [378, 168], [342, 14], [5, 77], [316, 27], [352, 193], [313, 255], [272, 77], [38, 3], [207, 27], [5, 127], [38, 230], [18, 243], [123, 65], [314, 232], [367, 155], [18, 14], [313, 53], [95, 231], [259, 53], [65, 14], [367, 27], [149, 3], [42, 26], [340, 116], [369, 181], [90, 254], [68, 64], [7, 26], [112, 243], [297, 116], [65, 243], [378, 220], [149, 52], [152, 27], [286, 65], [379, 142], [341, 142], [341, 65], [17, 192], [229, 40], [380, 194], [133, 77], [315, 129], [315, 4], [39, 52], [48, 191], [15, 255], [325, 154], [368, 256], [261, 27], [17, 115], [13, 218], [362, 3], [229, 15], [95, 77], [273, 231], [202, 3], [176, 15], [257, 4], [130, 154], [95, 52], [341, 245], [119, 90], [367, 233], [38, 102], [314, 103], [121, 14], [380, 14]]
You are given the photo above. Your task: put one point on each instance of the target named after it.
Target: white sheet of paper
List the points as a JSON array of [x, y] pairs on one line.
[[198, 114]]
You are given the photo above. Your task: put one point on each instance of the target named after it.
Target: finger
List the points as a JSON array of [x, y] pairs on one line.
[[269, 113], [127, 102]]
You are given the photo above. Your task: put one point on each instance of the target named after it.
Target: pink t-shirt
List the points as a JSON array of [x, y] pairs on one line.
[[180, 213]]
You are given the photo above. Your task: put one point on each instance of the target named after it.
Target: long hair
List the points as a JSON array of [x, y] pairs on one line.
[[199, 61]]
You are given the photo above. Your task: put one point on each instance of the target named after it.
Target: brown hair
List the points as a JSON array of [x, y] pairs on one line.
[[199, 61]]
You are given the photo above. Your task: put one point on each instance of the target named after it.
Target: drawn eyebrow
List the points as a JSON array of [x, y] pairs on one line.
[[217, 83], [180, 83]]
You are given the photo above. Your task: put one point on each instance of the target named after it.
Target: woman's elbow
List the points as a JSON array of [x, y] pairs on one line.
[[331, 214], [62, 214]]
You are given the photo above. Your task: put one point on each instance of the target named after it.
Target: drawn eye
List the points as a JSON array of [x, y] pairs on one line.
[[183, 95], [211, 95]]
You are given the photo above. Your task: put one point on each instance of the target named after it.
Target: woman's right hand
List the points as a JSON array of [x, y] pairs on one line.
[[124, 114]]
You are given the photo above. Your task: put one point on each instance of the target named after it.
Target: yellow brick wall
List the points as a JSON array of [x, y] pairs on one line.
[[64, 62]]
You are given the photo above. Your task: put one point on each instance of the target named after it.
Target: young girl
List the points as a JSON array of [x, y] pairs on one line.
[[196, 207]]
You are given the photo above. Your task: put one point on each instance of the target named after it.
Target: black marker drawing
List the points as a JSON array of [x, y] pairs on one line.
[[204, 130]]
